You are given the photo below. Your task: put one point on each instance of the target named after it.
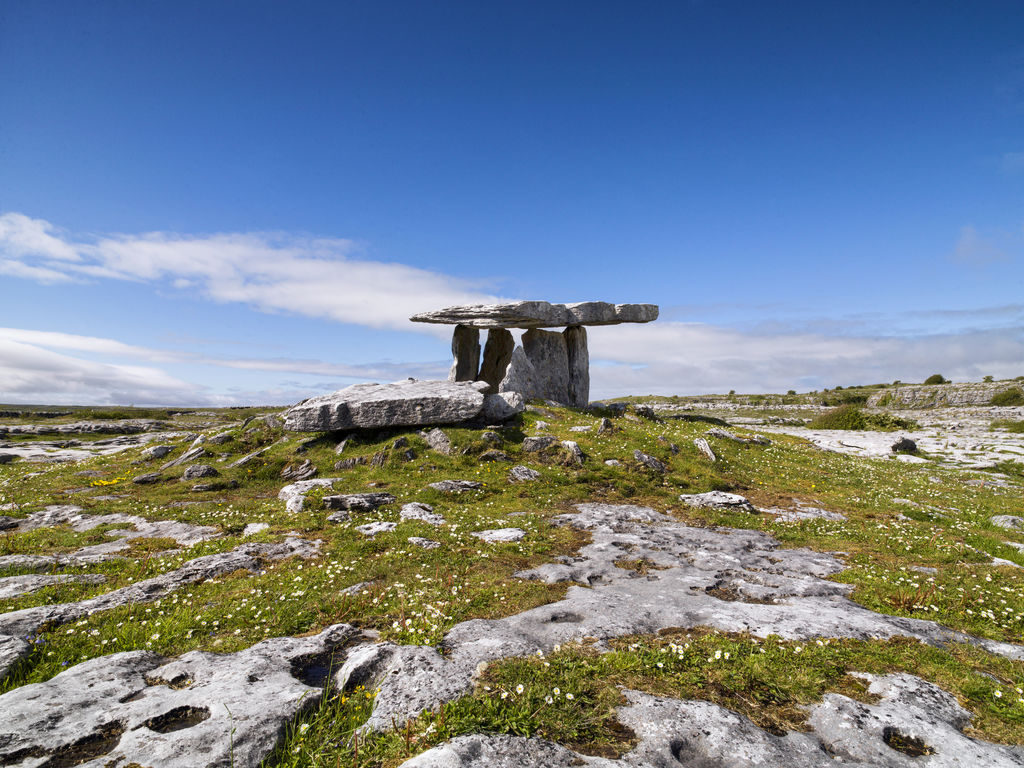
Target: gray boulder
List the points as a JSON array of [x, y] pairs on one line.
[[358, 502], [197, 471], [502, 406], [402, 404], [423, 512], [521, 474], [535, 444], [717, 500], [649, 461], [456, 486], [303, 471], [500, 535], [439, 441], [1011, 522], [372, 529], [521, 376]]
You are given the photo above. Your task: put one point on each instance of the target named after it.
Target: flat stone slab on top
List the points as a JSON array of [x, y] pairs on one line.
[[540, 314]]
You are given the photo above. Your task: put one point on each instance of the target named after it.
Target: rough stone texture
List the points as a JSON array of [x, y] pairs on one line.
[[358, 502], [13, 586], [372, 529], [494, 455], [521, 474], [500, 535], [521, 376], [550, 358], [419, 541], [534, 444], [605, 426], [579, 366], [424, 512], [302, 471], [502, 406], [193, 453], [938, 395], [201, 709], [197, 471], [725, 434], [904, 445], [540, 314], [649, 461], [122, 427], [800, 511], [248, 458], [251, 529], [402, 404], [294, 495], [349, 463], [7, 458], [11, 649], [157, 451], [497, 356], [439, 441], [1012, 522], [245, 557], [699, 734], [148, 478], [717, 500], [574, 452], [466, 351], [456, 486], [705, 448]]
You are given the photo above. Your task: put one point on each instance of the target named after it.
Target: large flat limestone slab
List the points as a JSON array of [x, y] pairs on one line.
[[540, 314], [402, 404]]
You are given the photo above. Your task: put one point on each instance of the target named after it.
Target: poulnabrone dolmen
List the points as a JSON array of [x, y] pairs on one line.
[[549, 365]]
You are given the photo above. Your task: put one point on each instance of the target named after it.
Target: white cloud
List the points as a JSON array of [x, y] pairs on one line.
[[316, 277], [30, 374], [974, 249]]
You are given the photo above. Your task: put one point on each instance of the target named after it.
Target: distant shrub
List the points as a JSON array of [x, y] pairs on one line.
[[1016, 427], [936, 378], [850, 416], [791, 392], [836, 397], [1011, 396], [988, 379]]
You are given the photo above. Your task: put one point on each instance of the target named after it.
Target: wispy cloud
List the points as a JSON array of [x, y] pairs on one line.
[[974, 249], [315, 277]]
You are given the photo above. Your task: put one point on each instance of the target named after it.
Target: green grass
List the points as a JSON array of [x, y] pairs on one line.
[[850, 416], [415, 595], [1011, 396]]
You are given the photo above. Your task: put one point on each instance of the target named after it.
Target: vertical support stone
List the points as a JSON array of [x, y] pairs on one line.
[[547, 352], [520, 376], [497, 356], [466, 351], [579, 365]]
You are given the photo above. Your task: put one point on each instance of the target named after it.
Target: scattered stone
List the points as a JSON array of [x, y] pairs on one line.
[[401, 404], [11, 649], [253, 528], [581, 429], [372, 529], [13, 586], [339, 517], [197, 471], [536, 444], [419, 541], [613, 462], [574, 453], [1007, 521], [196, 452], [407, 455], [402, 442], [418, 511], [456, 486], [379, 459], [904, 445], [646, 412], [717, 500], [438, 441], [157, 451], [248, 458], [542, 425], [7, 458], [650, 462], [355, 589], [500, 535], [151, 477], [494, 455], [491, 437], [358, 502], [303, 471], [294, 495], [521, 474], [502, 406], [705, 448], [221, 438], [137, 708], [341, 446], [349, 463], [802, 511]]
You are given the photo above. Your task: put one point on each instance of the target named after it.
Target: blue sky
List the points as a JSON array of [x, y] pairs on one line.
[[233, 202]]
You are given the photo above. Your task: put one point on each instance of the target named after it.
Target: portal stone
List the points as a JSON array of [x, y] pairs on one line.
[[547, 351], [579, 365], [466, 350], [497, 355]]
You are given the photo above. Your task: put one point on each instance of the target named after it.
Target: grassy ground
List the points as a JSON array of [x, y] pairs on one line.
[[414, 595]]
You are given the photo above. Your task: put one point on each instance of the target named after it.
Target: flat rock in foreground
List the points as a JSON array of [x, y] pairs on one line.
[[401, 404]]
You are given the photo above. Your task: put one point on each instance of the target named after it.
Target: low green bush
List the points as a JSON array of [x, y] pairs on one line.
[[1011, 396], [849, 416], [936, 378]]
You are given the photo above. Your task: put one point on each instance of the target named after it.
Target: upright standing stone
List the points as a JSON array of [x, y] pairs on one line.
[[550, 358], [520, 376], [466, 350], [497, 355], [579, 365]]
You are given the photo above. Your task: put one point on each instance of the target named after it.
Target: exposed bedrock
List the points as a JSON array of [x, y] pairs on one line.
[[733, 580], [699, 734], [201, 709]]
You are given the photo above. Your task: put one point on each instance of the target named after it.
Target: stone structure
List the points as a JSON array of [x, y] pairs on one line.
[[549, 365]]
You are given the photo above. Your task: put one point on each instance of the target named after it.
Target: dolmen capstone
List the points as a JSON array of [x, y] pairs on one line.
[[549, 365]]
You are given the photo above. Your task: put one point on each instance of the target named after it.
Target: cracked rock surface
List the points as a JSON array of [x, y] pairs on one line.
[[201, 709]]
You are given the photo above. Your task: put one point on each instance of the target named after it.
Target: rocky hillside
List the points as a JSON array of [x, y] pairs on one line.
[[939, 395], [632, 586]]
